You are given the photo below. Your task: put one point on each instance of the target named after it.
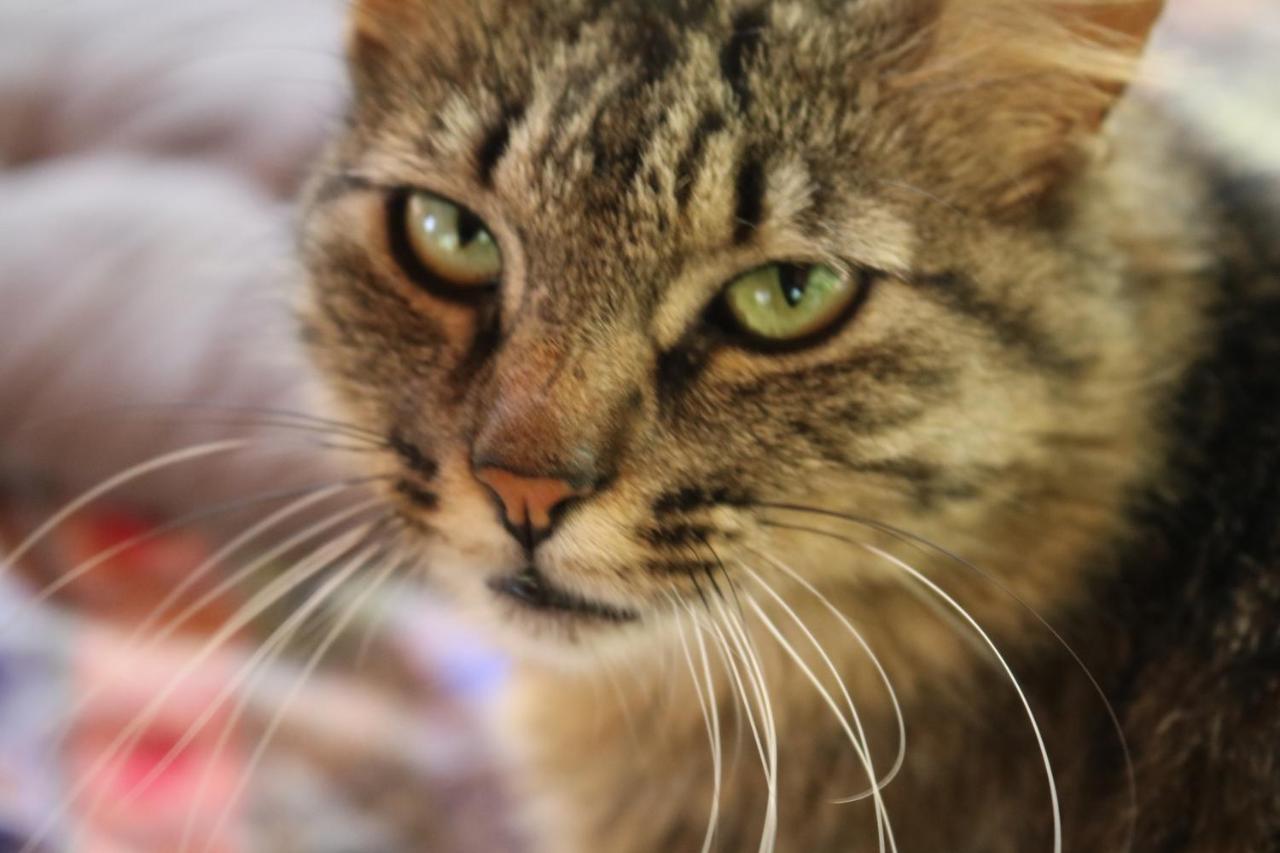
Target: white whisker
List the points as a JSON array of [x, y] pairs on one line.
[[737, 633], [292, 696], [306, 498], [900, 759], [713, 727], [858, 740], [134, 642], [258, 604], [717, 758], [168, 460], [1013, 679], [728, 658], [929, 547], [275, 642]]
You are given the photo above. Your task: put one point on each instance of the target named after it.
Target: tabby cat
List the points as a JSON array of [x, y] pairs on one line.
[[859, 416]]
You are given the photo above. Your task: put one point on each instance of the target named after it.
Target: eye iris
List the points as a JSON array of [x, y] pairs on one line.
[[787, 302], [450, 242]]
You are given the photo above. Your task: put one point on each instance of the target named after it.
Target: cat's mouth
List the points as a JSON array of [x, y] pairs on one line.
[[532, 589]]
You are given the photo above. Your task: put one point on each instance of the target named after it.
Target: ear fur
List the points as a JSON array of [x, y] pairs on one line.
[[373, 24], [1025, 82]]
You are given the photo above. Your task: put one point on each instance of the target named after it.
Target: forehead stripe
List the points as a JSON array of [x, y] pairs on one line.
[[749, 211], [739, 52], [494, 146], [690, 163]]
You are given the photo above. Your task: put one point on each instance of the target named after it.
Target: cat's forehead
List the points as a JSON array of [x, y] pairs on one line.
[[595, 70], [632, 131]]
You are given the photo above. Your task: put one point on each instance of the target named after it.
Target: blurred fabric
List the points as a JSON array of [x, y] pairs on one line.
[[150, 150], [149, 153]]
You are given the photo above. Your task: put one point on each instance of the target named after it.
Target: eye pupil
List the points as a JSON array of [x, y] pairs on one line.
[[470, 228], [793, 281], [794, 294]]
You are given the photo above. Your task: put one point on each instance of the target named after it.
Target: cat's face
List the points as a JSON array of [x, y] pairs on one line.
[[618, 281]]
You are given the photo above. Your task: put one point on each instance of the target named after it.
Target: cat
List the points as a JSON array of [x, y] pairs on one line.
[[860, 417]]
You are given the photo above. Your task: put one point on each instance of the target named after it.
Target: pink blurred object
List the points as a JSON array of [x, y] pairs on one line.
[[179, 770]]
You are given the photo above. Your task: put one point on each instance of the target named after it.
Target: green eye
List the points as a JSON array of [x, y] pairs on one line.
[[785, 303], [450, 242]]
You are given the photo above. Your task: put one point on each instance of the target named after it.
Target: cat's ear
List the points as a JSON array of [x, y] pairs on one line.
[[387, 39], [372, 27], [1119, 27], [1133, 19], [1022, 86]]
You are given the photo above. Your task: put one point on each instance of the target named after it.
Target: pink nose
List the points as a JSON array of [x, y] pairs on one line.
[[528, 503]]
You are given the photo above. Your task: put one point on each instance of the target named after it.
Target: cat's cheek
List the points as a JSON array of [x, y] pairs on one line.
[[461, 324], [457, 570]]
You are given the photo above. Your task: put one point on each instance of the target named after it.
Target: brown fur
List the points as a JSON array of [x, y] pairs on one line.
[[1043, 289]]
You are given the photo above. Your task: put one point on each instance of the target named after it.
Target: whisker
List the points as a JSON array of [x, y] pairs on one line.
[[246, 415], [371, 629], [742, 616], [1022, 696], [859, 740], [276, 642], [134, 643], [927, 546], [707, 706], [86, 567], [167, 460], [291, 697], [728, 658], [733, 588], [900, 760], [751, 659], [258, 604], [718, 752], [973, 623], [278, 637]]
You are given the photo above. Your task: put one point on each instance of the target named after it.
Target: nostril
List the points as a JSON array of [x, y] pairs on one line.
[[528, 504]]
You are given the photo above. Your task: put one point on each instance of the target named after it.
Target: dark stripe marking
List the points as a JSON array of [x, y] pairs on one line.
[[495, 144], [412, 456], [682, 567], [690, 163], [417, 495], [696, 497], [676, 535], [1013, 328], [749, 212], [739, 53]]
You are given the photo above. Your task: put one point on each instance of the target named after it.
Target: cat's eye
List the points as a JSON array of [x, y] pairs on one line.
[[789, 303], [445, 244]]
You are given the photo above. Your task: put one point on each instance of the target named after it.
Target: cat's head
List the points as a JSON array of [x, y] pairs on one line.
[[622, 284]]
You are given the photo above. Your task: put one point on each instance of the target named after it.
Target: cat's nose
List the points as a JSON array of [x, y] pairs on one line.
[[529, 504]]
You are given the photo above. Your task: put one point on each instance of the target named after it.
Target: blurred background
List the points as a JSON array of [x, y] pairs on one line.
[[149, 153]]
